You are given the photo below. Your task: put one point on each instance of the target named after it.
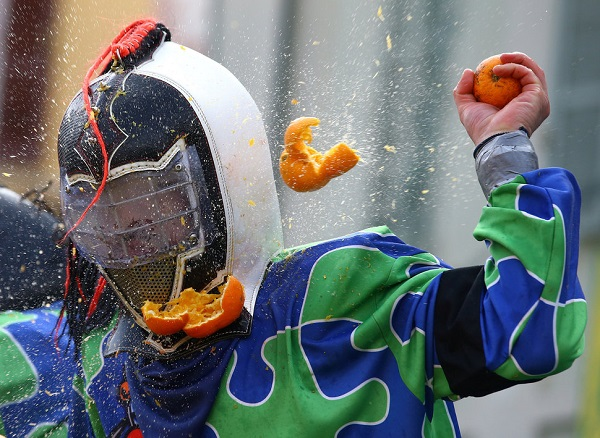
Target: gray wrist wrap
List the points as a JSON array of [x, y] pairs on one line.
[[502, 158]]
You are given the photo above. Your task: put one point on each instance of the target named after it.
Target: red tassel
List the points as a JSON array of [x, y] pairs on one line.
[[96, 298], [70, 256]]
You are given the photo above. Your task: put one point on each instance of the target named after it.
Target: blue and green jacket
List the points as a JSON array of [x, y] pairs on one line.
[[361, 335]]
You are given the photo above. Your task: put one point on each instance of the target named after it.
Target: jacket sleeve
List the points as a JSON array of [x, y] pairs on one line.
[[35, 374], [521, 316]]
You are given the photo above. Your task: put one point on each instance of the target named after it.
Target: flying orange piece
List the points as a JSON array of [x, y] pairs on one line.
[[303, 168]]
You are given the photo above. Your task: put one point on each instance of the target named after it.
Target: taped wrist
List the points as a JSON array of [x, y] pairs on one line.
[[500, 158]]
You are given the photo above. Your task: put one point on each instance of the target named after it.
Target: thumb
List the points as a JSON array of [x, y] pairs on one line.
[[463, 92]]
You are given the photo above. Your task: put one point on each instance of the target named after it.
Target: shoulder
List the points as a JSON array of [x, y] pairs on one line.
[[373, 247], [375, 237]]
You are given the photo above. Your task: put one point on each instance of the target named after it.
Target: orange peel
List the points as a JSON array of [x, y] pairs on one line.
[[198, 314], [163, 322], [303, 168], [492, 89]]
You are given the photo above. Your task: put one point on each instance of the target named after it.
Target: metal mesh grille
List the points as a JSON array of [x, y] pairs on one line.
[[152, 281]]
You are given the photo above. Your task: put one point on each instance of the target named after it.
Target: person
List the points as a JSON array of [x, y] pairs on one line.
[[31, 277], [167, 184], [31, 264]]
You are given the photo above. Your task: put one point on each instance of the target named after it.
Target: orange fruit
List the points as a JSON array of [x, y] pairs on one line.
[[198, 314], [216, 313], [303, 168], [492, 89], [163, 322]]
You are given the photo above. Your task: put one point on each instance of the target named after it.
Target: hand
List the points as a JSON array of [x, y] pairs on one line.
[[528, 110]]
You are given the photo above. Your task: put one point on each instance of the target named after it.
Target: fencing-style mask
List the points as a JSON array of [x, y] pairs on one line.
[[171, 184]]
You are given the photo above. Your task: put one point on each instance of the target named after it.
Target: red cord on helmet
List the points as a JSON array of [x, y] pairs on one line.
[[127, 42], [124, 44], [97, 294]]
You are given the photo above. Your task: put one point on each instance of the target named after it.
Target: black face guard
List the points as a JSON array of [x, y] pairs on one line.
[[159, 225]]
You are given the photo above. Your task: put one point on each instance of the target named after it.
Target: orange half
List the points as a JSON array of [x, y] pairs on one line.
[[198, 314], [163, 322], [212, 312]]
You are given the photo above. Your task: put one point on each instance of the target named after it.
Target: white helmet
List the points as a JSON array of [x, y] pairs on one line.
[[188, 195]]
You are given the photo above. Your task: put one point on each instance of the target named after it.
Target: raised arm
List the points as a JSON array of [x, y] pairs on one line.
[[528, 110], [520, 317]]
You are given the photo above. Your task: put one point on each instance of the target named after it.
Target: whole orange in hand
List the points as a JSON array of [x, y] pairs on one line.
[[492, 89]]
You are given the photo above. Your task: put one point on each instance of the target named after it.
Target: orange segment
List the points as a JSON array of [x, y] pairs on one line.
[[298, 132], [338, 160], [303, 168], [219, 312], [198, 314], [163, 322], [492, 89]]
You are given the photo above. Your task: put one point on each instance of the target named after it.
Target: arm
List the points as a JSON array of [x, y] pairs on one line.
[[35, 374], [31, 264], [520, 317]]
